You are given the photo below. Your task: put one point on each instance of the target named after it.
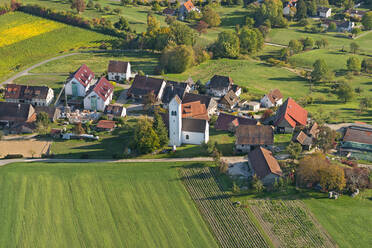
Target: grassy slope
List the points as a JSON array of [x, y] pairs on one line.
[[348, 220], [90, 205], [37, 48]]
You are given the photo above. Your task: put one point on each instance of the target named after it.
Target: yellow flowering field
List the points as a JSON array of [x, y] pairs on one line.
[[14, 32]]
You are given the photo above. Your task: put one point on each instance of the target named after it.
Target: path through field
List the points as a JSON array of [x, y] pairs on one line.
[[232, 226]]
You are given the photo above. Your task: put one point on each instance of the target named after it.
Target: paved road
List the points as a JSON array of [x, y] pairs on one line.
[[26, 71], [198, 159]]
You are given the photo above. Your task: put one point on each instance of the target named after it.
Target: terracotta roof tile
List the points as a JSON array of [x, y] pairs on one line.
[[292, 112], [254, 135], [224, 120], [264, 163]]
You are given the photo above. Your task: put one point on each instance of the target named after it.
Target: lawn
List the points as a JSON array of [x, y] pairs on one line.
[[348, 220], [30, 39], [98, 205], [336, 40]]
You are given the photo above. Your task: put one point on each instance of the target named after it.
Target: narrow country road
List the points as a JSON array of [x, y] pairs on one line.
[[274, 44], [149, 160], [26, 71]]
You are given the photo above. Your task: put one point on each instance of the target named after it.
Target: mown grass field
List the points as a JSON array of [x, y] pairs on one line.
[[30, 39], [336, 40], [98, 205]]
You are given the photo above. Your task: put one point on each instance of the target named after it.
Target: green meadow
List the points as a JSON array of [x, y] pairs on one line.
[[98, 205]]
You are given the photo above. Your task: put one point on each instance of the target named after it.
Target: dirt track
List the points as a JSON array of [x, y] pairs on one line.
[[28, 148]]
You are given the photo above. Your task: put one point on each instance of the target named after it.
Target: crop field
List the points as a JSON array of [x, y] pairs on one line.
[[290, 224], [27, 39], [98, 205], [232, 226]]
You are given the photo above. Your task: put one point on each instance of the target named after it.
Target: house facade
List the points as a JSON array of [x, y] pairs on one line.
[[324, 12], [16, 113], [144, 85], [100, 96], [35, 95], [79, 82], [290, 115], [115, 110], [289, 7], [208, 101], [185, 9], [219, 86], [229, 101], [119, 71], [174, 88], [272, 99], [186, 128]]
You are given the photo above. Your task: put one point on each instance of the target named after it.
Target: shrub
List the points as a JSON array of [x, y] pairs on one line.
[[12, 156]]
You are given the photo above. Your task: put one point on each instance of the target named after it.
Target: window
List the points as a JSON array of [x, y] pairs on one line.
[[187, 136], [174, 113]]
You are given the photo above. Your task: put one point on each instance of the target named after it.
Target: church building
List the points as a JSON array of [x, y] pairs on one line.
[[188, 123]]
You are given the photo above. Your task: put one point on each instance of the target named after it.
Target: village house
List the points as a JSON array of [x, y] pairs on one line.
[[35, 95], [272, 99], [289, 7], [219, 86], [264, 165], [115, 110], [307, 136], [357, 14], [290, 115], [226, 122], [185, 9], [249, 137], [357, 141], [99, 96], [324, 12], [341, 26], [119, 71], [174, 88], [79, 82], [188, 123], [105, 125], [142, 86], [208, 101], [16, 113], [229, 101]]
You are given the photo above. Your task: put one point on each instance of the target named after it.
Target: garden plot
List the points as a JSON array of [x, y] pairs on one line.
[[290, 224], [28, 148], [232, 226]]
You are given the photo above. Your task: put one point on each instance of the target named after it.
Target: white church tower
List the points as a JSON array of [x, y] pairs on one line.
[[175, 121]]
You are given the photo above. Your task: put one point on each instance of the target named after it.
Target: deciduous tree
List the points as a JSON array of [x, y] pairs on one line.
[[79, 5], [353, 64], [145, 139], [227, 45], [367, 20], [321, 72], [211, 17]]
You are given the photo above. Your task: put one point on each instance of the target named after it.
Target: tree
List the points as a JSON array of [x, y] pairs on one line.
[[332, 27], [270, 10], [308, 43], [227, 45], [367, 20], [42, 123], [125, 2], [348, 4], [344, 92], [90, 4], [356, 31], [301, 10], [202, 27], [160, 129], [295, 46], [149, 100], [321, 71], [326, 138], [156, 7], [78, 128], [1, 135], [324, 42], [354, 48], [367, 65], [318, 44], [356, 178], [79, 5], [257, 184], [182, 34], [249, 22], [365, 103], [294, 149], [251, 40], [152, 23], [145, 139], [177, 59], [122, 24], [312, 8], [353, 64], [211, 17]]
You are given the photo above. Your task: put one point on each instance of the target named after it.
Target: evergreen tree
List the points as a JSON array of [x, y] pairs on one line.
[[145, 139], [301, 10], [160, 129], [122, 24]]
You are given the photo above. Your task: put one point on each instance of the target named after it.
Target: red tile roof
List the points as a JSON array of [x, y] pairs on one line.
[[189, 5], [84, 75], [106, 124], [264, 163], [194, 110], [103, 88], [274, 96], [224, 120], [292, 112]]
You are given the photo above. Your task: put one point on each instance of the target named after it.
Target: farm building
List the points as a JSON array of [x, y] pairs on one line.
[[99, 96], [307, 136], [79, 82], [272, 99], [105, 125], [16, 113], [219, 86], [208, 101], [254, 106], [357, 141], [115, 110], [290, 115], [324, 12], [142, 86], [185, 9], [264, 165], [248, 137], [119, 70], [188, 123], [228, 122], [35, 95], [53, 112]]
